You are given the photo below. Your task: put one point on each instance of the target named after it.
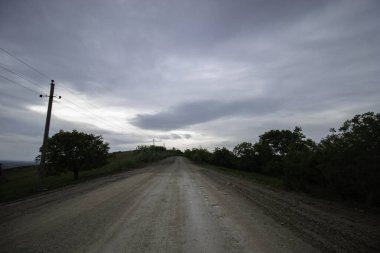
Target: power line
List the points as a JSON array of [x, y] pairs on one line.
[[78, 108], [26, 87], [93, 116], [31, 67], [77, 94], [87, 111], [22, 77], [37, 71], [89, 114]]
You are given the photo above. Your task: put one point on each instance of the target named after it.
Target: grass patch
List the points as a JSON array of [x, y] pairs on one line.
[[274, 182], [24, 181], [18, 182]]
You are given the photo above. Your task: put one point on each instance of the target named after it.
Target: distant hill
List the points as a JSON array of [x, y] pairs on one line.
[[12, 164]]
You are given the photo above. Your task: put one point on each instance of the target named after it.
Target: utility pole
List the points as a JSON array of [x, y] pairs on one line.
[[153, 141], [46, 132]]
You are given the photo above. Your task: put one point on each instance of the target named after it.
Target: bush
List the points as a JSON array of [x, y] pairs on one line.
[[223, 157], [346, 162]]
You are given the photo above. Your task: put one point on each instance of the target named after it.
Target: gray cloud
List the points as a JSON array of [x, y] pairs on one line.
[[199, 64], [192, 113], [173, 136]]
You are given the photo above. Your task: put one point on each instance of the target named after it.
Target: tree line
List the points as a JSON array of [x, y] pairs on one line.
[[346, 163], [78, 151]]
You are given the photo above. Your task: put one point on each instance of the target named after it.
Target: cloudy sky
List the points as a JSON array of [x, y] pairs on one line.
[[187, 73]]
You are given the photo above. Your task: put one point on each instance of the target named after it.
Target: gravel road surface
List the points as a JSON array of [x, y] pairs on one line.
[[171, 206]]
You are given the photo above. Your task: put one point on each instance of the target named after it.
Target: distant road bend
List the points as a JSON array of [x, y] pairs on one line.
[[177, 206]]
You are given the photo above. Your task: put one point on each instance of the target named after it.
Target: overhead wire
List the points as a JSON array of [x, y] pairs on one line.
[[39, 72], [88, 111], [31, 67], [76, 94], [77, 109], [92, 115], [22, 85], [22, 77], [103, 121]]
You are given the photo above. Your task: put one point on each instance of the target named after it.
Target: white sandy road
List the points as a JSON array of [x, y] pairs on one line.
[[169, 207]]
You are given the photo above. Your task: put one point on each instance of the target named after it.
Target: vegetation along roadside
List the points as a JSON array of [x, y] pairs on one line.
[[344, 166], [24, 181]]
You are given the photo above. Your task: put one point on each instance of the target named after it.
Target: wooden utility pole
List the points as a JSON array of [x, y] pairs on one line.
[[46, 132]]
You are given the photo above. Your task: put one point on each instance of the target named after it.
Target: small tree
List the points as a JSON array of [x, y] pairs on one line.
[[75, 151], [275, 145], [223, 157], [244, 149], [151, 153], [245, 156]]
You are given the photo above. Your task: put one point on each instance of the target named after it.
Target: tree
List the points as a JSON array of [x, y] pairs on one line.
[[244, 149], [223, 157], [198, 154], [350, 158], [299, 165], [246, 156], [151, 153], [75, 151], [275, 145]]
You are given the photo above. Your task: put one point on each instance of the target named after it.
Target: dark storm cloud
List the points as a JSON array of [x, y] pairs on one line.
[[192, 113], [102, 47], [310, 63]]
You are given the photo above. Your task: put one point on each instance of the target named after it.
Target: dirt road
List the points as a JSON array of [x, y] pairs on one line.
[[172, 206]]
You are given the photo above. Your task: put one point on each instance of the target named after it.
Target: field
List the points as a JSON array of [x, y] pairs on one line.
[[24, 181]]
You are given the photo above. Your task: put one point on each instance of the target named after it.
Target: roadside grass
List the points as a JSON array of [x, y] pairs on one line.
[[24, 181], [274, 182], [18, 182]]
